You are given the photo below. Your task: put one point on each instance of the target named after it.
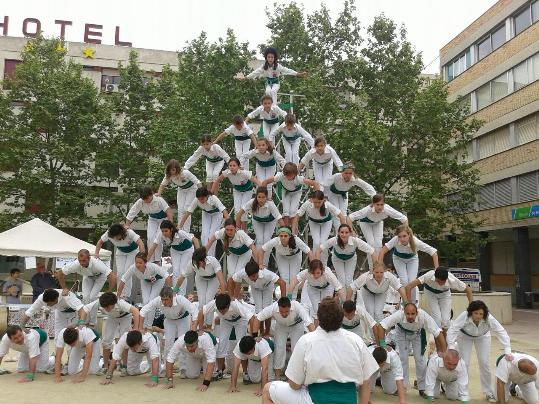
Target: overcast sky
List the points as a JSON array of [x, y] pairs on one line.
[[168, 24]]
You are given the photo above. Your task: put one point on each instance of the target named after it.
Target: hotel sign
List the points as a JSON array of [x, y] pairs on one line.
[[32, 26], [525, 212]]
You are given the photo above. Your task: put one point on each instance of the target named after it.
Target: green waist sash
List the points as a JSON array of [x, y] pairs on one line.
[[184, 245], [322, 162], [349, 327], [323, 220], [213, 338], [185, 314], [264, 219], [233, 319], [431, 289], [343, 257], [127, 249], [208, 276], [248, 186], [272, 121], [298, 187], [266, 163], [242, 138], [43, 337], [291, 138], [187, 185], [402, 255], [370, 291], [239, 250], [334, 189], [214, 210], [157, 277], [159, 215], [333, 392], [366, 220], [422, 333], [470, 335], [214, 159], [272, 80], [321, 287], [499, 359], [97, 335]]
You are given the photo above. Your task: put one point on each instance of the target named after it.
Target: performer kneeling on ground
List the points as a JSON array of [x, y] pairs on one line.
[[391, 376]]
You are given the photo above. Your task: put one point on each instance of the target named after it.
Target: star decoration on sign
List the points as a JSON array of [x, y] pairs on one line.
[[29, 46], [88, 53], [60, 48]]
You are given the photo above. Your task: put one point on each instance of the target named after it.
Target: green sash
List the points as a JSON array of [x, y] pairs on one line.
[[214, 210], [349, 327], [323, 220], [184, 245], [322, 162], [431, 289], [266, 163], [272, 80], [470, 335], [401, 254], [130, 248], [333, 392], [213, 338], [69, 310], [334, 189], [368, 290], [248, 186], [185, 314], [238, 250], [291, 139], [242, 138], [157, 277], [272, 121], [232, 320], [214, 159], [43, 337], [159, 215], [343, 257], [422, 333], [366, 220], [187, 185], [264, 219], [298, 187], [209, 276], [499, 359], [321, 287], [97, 335]]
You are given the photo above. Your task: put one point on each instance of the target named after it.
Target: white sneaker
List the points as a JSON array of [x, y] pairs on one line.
[[182, 374], [490, 398], [101, 372], [123, 372]]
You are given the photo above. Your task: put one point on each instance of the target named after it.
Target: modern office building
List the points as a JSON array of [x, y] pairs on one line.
[[493, 68]]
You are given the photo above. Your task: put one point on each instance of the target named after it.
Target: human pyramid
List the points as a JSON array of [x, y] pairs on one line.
[[344, 333]]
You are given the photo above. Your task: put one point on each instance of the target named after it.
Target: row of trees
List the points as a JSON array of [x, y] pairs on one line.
[[364, 94]]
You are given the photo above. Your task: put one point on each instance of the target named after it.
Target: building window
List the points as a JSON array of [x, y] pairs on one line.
[[500, 87], [107, 79], [484, 48], [535, 11], [494, 142], [9, 68], [458, 65], [483, 95], [495, 194], [498, 38], [520, 75], [526, 130], [522, 20], [528, 187]]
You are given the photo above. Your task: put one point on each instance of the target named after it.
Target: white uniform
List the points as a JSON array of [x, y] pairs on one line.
[[337, 192], [455, 382], [178, 317], [373, 293], [272, 76], [254, 367], [264, 221], [261, 289], [239, 251], [236, 317], [152, 280], [372, 224], [205, 279], [292, 140], [35, 343], [181, 252], [288, 260], [323, 164], [320, 357], [242, 139], [319, 288], [215, 160], [439, 297], [463, 334], [186, 184], [78, 351], [266, 164], [345, 259], [243, 188], [390, 373], [319, 224], [291, 193], [361, 324], [212, 217], [156, 211], [407, 333], [126, 250], [291, 326], [526, 385], [406, 261], [192, 362], [65, 310], [117, 321], [270, 119], [149, 348]]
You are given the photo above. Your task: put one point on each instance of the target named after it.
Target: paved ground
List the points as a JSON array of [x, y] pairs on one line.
[[524, 333]]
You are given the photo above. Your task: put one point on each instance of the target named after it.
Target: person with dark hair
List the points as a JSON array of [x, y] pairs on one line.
[[371, 221], [358, 320], [135, 346], [390, 372], [291, 318], [94, 274], [237, 244], [213, 213], [474, 327], [33, 348], [85, 343], [437, 285], [180, 315], [259, 356], [518, 377], [232, 315], [182, 245], [195, 352], [323, 157], [215, 158], [118, 316], [447, 372], [343, 253], [42, 280], [330, 362], [288, 255], [320, 215], [152, 278], [243, 135], [12, 287], [186, 184], [292, 134], [66, 308], [127, 243], [269, 113], [271, 71], [411, 325], [157, 209]]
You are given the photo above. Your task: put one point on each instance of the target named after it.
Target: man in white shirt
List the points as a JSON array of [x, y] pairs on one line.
[[94, 274], [358, 320], [329, 362], [450, 372], [391, 376], [33, 347], [518, 377]]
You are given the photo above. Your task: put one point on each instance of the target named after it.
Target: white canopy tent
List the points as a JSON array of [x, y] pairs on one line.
[[37, 238]]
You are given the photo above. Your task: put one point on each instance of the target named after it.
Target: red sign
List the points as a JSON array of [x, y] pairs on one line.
[[92, 32]]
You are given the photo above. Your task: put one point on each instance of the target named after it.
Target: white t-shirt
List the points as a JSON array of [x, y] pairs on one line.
[[215, 152], [286, 251], [120, 309], [267, 156], [314, 213], [236, 311], [452, 282], [95, 268], [245, 131], [354, 243], [297, 315], [30, 344], [279, 70], [437, 371], [369, 213], [181, 307], [363, 319], [367, 279], [262, 350], [210, 205], [186, 180], [289, 185], [240, 238], [266, 278], [273, 113], [422, 320], [392, 364], [69, 302], [405, 249], [291, 135], [344, 186], [151, 273], [130, 238], [326, 278], [86, 335], [508, 371], [205, 349], [263, 211], [148, 346], [179, 238], [211, 268], [326, 157], [156, 205]]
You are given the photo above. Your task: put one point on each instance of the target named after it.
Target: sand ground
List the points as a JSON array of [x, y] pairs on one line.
[[523, 332]]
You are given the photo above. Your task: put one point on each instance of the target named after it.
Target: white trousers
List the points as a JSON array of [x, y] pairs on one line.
[[407, 270], [241, 147], [76, 355], [526, 392], [268, 128], [316, 295], [150, 290], [151, 232], [264, 232], [115, 327], [254, 370], [451, 389], [387, 379], [262, 297], [206, 290], [91, 286], [123, 262], [344, 269], [173, 330], [210, 224], [272, 90], [192, 365], [281, 393], [213, 170], [290, 202], [341, 203], [440, 307], [180, 259], [240, 199], [63, 319], [236, 263], [225, 328], [263, 173], [289, 266], [373, 233], [322, 173], [44, 361], [184, 199], [135, 364], [320, 233], [374, 303], [403, 340], [482, 349], [282, 333], [291, 150]]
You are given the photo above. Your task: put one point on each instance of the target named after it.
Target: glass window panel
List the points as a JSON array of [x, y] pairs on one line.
[[527, 186], [522, 20], [484, 48], [526, 130], [499, 87], [468, 57], [450, 75], [535, 63], [456, 68], [503, 192], [465, 102], [501, 139], [498, 37], [520, 75], [483, 96], [487, 145], [535, 11]]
